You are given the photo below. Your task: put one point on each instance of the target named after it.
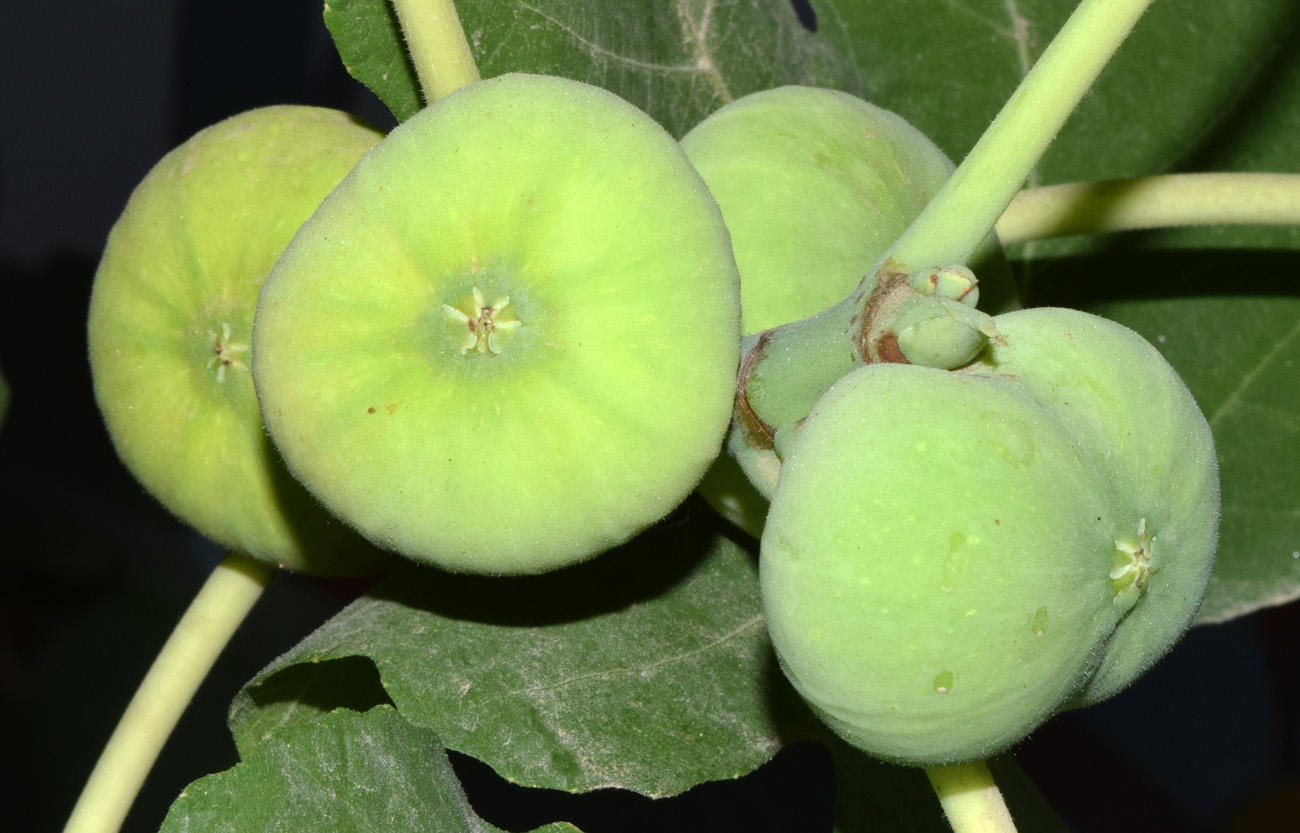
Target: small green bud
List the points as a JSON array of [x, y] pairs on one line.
[[941, 333], [956, 283]]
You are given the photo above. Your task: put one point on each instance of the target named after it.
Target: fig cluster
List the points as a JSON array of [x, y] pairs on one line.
[[953, 552], [506, 337], [501, 339], [954, 556]]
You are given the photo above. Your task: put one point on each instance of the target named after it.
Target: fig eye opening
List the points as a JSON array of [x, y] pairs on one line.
[[483, 332]]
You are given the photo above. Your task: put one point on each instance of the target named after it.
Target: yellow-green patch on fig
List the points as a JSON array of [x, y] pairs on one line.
[[170, 329], [936, 563], [508, 341]]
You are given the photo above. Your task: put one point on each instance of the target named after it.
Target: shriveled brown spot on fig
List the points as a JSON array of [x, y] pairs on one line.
[[757, 433], [887, 351]]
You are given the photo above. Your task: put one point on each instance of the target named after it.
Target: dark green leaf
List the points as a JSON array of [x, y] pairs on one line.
[[678, 61], [345, 772], [1199, 83], [647, 669], [369, 41], [306, 692]]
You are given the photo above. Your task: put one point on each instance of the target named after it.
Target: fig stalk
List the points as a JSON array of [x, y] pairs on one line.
[[1151, 202], [211, 620], [787, 369], [964, 211], [439, 51], [970, 798]]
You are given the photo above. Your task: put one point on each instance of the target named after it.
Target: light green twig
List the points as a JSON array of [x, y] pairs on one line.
[[203, 631], [970, 798], [960, 216], [784, 371], [434, 37], [1151, 202]]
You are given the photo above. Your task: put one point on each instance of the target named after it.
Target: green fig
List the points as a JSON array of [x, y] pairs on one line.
[[170, 324], [814, 184], [952, 557], [1118, 395], [508, 341]]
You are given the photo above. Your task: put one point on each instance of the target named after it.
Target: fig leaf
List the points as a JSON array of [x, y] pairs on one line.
[[646, 669], [677, 61], [346, 773]]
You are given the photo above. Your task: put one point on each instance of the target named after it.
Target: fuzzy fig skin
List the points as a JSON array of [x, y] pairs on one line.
[[1118, 395], [953, 557], [170, 323], [508, 341], [813, 185]]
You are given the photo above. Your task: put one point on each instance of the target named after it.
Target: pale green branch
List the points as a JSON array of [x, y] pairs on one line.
[[960, 216], [437, 45], [970, 798], [203, 631], [1151, 202]]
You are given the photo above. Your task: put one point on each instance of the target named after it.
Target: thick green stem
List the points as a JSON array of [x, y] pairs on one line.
[[786, 370], [1151, 202], [203, 631], [960, 216], [434, 37], [970, 798]]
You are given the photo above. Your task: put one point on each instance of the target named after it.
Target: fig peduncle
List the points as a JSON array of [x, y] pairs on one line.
[[439, 51], [886, 320]]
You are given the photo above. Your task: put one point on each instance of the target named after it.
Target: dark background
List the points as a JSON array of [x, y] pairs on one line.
[[95, 573]]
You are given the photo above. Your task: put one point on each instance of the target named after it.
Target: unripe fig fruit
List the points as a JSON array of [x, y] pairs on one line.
[[171, 318], [952, 557], [813, 184], [1117, 394], [508, 341]]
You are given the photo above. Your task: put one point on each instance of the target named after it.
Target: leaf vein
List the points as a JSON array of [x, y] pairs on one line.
[[749, 625], [698, 40], [594, 49], [1248, 379], [1019, 33]]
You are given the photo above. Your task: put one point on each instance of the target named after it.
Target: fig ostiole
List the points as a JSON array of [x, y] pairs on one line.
[[508, 340], [951, 557], [170, 330], [1122, 399]]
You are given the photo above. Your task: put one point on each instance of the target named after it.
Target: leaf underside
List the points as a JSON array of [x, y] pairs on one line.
[[549, 679], [347, 772]]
